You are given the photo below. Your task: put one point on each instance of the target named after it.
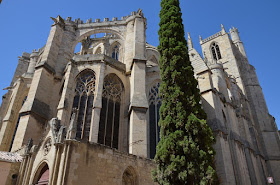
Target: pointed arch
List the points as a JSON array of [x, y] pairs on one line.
[[115, 48], [83, 102], [98, 51], [129, 177], [42, 175], [113, 89]]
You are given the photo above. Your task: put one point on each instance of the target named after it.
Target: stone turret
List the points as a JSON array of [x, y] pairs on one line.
[[236, 40], [33, 60]]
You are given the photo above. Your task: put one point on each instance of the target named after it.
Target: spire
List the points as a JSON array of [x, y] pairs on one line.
[[190, 43], [223, 29]]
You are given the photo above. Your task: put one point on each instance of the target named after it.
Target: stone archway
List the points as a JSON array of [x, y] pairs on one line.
[[43, 176], [129, 177]]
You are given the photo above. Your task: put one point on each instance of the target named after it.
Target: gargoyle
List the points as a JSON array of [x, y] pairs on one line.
[[58, 21]]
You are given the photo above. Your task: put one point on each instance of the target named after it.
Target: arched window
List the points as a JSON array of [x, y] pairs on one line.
[[43, 177], [115, 52], [154, 105], [110, 113], [129, 177], [83, 102], [216, 51]]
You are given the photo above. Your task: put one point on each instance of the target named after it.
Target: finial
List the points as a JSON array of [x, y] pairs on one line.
[[223, 29], [139, 12], [190, 44], [200, 39], [189, 36]]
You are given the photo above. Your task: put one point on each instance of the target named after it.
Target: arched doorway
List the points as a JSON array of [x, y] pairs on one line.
[[43, 178]]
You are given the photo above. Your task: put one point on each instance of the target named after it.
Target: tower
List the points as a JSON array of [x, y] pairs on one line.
[[89, 115], [236, 110]]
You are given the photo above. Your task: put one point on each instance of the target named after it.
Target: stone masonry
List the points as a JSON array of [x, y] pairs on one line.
[[90, 116]]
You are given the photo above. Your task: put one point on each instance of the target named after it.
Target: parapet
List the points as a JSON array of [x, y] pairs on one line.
[[105, 20]]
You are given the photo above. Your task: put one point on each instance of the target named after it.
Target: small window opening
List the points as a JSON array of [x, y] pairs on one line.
[[115, 53]]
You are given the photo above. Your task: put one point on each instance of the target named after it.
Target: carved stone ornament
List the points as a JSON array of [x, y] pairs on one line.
[[58, 21], [47, 146]]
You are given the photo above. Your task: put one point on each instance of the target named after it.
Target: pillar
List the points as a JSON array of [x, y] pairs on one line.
[[93, 137]]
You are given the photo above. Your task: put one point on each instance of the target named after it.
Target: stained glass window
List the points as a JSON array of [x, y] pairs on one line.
[[83, 102], [110, 113], [154, 105]]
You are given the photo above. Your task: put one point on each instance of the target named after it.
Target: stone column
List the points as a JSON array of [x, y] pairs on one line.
[[94, 128], [138, 109]]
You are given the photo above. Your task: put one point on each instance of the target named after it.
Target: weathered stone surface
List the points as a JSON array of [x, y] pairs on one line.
[[247, 139]]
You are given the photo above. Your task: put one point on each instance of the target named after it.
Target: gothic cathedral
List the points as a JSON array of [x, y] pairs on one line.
[[90, 116]]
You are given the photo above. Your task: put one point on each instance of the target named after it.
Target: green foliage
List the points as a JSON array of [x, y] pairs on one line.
[[184, 153]]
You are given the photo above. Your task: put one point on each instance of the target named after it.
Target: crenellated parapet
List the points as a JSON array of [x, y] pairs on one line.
[[104, 21]]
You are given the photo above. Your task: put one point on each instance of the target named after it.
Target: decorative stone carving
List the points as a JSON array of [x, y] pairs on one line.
[[140, 13], [86, 43], [58, 21], [61, 135], [47, 146], [58, 131]]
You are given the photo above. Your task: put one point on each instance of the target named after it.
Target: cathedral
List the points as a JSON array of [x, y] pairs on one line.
[[90, 116]]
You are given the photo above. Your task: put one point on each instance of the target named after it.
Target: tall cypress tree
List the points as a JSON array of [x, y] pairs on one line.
[[184, 153]]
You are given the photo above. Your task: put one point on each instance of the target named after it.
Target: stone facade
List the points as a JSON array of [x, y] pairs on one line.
[[92, 114]]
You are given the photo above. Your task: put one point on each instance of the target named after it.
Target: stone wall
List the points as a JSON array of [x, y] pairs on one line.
[[94, 164]]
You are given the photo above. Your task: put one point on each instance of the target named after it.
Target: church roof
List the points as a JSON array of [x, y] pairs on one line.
[[10, 157]]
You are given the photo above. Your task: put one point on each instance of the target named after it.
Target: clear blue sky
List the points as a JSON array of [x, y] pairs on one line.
[[25, 25]]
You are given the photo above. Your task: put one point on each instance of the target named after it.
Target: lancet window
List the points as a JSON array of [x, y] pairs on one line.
[[216, 51], [154, 105], [115, 52], [83, 102], [110, 113]]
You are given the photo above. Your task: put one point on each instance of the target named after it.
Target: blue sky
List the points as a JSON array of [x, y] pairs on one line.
[[25, 25]]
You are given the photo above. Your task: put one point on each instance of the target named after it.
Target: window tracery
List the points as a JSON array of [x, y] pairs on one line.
[[216, 51], [110, 111], [83, 102], [154, 106]]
